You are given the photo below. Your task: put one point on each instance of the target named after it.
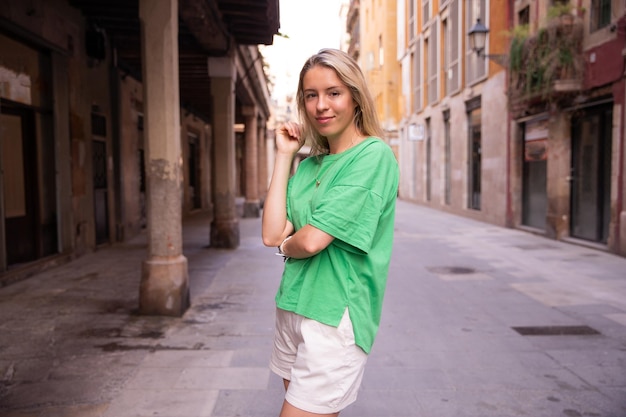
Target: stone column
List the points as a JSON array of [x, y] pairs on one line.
[[251, 206], [225, 225], [164, 280]]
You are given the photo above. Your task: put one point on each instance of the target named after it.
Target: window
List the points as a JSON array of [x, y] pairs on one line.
[[427, 59], [451, 43], [433, 66], [445, 41], [523, 16], [476, 67], [370, 61], [425, 11], [98, 125], [381, 51], [417, 80], [600, 14], [412, 21]]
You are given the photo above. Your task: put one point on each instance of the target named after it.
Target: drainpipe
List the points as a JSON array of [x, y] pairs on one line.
[[619, 248], [620, 26]]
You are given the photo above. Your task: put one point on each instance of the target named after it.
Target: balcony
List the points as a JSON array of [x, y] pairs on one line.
[[547, 67]]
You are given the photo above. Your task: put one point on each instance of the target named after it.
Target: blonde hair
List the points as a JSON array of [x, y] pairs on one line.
[[349, 73]]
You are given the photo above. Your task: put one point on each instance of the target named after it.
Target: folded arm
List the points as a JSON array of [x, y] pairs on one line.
[[307, 241]]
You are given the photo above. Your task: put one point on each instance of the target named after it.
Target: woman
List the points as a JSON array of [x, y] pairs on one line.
[[333, 223]]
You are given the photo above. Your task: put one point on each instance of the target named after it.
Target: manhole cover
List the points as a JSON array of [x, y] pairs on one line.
[[451, 270], [556, 331]]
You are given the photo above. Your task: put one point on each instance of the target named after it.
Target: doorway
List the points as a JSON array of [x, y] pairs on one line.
[[535, 174], [100, 179], [19, 184], [591, 174]]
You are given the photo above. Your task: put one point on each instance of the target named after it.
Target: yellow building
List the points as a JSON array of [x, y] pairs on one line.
[[453, 131], [373, 44]]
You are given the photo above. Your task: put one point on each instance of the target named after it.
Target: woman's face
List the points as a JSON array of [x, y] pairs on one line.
[[329, 104]]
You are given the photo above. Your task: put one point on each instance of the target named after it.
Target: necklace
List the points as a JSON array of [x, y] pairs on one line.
[[318, 178]]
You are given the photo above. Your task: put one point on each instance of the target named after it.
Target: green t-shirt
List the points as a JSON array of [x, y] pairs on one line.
[[355, 203]]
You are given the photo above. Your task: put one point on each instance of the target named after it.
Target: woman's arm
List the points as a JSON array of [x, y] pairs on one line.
[[275, 226], [306, 242], [309, 240]]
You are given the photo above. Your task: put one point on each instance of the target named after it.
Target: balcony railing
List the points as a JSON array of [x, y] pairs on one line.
[[549, 65]]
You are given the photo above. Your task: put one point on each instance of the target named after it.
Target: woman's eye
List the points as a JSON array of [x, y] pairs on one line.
[[309, 96], [334, 93]]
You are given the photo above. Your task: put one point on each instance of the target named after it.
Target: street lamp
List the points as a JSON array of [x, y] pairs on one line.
[[477, 37]]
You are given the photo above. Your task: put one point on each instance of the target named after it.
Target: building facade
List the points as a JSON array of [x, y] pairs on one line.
[[453, 141], [372, 26], [491, 135], [118, 117], [568, 127]]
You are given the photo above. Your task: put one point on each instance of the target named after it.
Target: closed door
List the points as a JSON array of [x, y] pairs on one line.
[[591, 174], [19, 184]]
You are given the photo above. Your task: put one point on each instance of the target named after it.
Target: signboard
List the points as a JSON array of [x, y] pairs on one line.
[[536, 140], [416, 131]]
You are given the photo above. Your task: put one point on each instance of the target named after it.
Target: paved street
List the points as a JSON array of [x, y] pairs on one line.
[[479, 321]]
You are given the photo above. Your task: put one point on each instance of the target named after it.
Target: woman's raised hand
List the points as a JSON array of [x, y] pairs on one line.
[[289, 138]]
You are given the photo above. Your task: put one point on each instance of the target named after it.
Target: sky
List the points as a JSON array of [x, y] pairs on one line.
[[310, 26]]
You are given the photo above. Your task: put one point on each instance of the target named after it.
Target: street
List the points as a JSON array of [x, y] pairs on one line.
[[478, 321]]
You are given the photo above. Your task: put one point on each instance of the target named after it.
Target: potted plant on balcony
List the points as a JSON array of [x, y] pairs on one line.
[[561, 13], [546, 65]]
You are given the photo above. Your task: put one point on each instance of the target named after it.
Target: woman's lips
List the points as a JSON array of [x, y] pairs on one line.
[[323, 120]]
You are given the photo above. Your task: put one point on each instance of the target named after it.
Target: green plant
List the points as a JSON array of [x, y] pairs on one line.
[[559, 9], [537, 61], [518, 36]]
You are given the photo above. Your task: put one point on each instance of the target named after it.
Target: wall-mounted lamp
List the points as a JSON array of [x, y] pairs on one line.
[[477, 37]]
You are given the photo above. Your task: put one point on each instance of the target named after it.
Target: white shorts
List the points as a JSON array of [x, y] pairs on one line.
[[323, 364]]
